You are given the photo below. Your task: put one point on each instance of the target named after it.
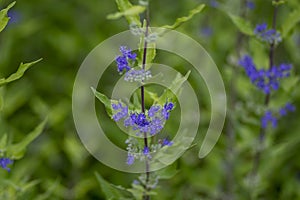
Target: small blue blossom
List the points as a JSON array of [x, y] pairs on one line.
[[123, 60], [146, 151], [166, 109], [127, 53], [130, 159], [265, 80], [207, 31], [167, 142], [271, 36], [268, 117], [122, 111], [155, 126], [4, 162], [250, 5], [214, 3], [153, 109], [287, 108], [139, 119]]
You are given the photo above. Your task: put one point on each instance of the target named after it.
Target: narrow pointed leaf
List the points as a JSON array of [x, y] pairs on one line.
[[105, 100], [174, 88], [243, 25], [113, 192], [16, 151], [181, 20], [3, 16], [290, 22], [19, 73]]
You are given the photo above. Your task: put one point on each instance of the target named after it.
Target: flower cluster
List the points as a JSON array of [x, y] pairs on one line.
[[135, 152], [263, 79], [137, 75], [268, 117], [268, 35], [123, 60], [152, 122], [272, 117], [287, 108], [123, 63], [4, 162]]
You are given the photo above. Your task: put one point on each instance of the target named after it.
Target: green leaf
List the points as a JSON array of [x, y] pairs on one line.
[[16, 151], [20, 72], [105, 100], [3, 143], [1, 101], [133, 11], [290, 22], [113, 192], [243, 25], [3, 16], [124, 6], [289, 83], [181, 20], [151, 49], [174, 89]]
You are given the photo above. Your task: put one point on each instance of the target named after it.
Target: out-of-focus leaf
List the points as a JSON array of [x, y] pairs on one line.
[[243, 25], [20, 72], [1, 101], [3, 142], [49, 191], [30, 185], [113, 192], [16, 151], [290, 22], [105, 100], [289, 83], [3, 16], [124, 6], [174, 89], [134, 10], [181, 20]]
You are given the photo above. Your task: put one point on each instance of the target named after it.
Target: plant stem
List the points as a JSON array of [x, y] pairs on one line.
[[145, 196], [262, 131]]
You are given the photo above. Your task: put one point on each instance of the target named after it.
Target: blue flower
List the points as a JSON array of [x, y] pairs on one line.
[[207, 31], [130, 159], [153, 109], [146, 151], [122, 111], [214, 3], [271, 36], [166, 109], [4, 162], [122, 60], [250, 5], [265, 80], [268, 117], [167, 142], [287, 108]]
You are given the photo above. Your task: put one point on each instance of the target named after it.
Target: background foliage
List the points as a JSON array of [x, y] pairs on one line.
[[56, 165]]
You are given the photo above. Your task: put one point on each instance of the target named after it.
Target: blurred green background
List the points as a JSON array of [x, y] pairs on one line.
[[64, 32]]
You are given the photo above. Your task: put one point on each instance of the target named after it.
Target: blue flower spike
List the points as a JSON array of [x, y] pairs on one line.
[[4, 162]]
